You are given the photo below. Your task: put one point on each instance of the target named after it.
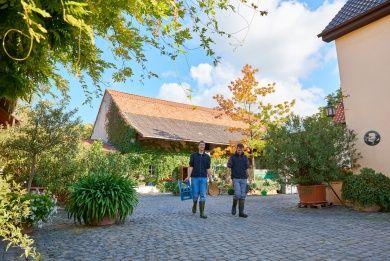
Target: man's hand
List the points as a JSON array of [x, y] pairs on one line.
[[187, 179]]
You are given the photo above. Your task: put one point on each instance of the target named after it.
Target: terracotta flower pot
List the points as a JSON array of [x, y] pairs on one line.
[[106, 221], [312, 194], [330, 195]]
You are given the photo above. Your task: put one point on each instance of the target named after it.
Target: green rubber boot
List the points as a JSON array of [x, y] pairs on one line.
[[241, 206], [201, 209], [194, 206], [234, 206]]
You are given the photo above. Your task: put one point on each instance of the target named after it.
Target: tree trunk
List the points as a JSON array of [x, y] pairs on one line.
[[252, 178], [32, 173], [7, 107]]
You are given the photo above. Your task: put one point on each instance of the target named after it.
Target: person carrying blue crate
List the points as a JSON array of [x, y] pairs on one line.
[[199, 171], [239, 164]]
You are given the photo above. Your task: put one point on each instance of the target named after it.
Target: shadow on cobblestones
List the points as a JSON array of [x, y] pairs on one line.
[[163, 228]]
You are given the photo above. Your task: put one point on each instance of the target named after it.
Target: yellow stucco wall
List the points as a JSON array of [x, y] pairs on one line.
[[364, 64]]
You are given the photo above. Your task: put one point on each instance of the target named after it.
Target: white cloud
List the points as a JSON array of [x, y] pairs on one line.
[[175, 92], [202, 74], [283, 45]]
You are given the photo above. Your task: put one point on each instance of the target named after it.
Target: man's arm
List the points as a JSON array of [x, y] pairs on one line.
[[190, 168], [209, 168], [247, 168], [230, 166], [189, 172]]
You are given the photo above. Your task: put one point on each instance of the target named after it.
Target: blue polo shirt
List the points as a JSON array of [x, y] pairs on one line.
[[200, 164]]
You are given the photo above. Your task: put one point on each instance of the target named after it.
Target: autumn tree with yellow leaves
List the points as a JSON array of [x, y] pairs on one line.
[[247, 105]]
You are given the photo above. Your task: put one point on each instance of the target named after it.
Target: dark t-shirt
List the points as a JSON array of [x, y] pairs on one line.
[[200, 164], [238, 164]]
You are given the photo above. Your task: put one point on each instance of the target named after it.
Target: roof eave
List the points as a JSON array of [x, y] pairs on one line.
[[186, 140], [356, 22]]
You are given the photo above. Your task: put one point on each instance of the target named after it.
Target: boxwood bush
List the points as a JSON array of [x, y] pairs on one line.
[[368, 188], [99, 195]]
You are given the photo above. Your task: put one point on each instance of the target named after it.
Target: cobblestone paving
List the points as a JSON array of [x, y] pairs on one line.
[[163, 228]]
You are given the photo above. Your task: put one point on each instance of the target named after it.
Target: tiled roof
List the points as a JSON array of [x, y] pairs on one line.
[[130, 103], [173, 129], [155, 118], [339, 116], [353, 9]]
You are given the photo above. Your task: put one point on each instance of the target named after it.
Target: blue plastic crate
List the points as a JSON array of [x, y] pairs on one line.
[[185, 190]]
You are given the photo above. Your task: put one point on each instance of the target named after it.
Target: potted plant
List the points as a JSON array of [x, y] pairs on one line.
[[102, 199], [334, 187], [308, 152]]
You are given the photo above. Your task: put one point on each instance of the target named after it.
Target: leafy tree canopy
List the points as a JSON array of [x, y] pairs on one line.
[[39, 38], [247, 105]]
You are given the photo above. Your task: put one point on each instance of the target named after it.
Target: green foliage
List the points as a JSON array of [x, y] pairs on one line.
[[119, 132], [46, 129], [171, 186], [13, 209], [42, 37], [42, 208], [266, 185], [311, 150], [164, 164], [368, 188], [230, 190], [100, 195], [333, 99]]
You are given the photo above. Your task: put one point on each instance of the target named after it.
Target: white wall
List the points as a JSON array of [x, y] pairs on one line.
[[364, 64], [99, 129]]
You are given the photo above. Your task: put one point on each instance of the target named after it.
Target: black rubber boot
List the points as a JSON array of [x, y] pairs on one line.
[[241, 206], [201, 209], [194, 206], [234, 206]]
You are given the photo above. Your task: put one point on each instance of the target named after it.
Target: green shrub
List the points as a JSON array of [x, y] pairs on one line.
[[171, 186], [99, 195], [42, 208], [230, 190], [309, 151], [368, 188], [12, 210]]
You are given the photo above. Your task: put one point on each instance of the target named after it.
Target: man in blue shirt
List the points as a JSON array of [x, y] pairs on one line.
[[198, 171], [239, 165]]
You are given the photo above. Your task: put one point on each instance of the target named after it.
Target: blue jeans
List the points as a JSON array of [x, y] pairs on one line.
[[199, 188], [239, 188]]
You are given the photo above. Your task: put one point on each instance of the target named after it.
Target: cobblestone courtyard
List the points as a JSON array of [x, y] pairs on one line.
[[162, 228]]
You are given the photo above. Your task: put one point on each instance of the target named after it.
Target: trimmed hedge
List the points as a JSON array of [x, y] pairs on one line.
[[368, 188]]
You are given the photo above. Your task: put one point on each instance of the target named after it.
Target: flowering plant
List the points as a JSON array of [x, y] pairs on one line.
[[42, 209]]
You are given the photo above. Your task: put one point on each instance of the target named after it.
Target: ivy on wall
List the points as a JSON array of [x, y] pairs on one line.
[[120, 133]]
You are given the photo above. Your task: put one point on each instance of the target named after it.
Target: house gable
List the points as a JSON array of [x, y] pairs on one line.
[[354, 15], [164, 120]]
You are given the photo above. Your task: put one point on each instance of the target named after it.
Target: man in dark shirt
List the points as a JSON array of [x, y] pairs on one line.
[[198, 171], [239, 165]]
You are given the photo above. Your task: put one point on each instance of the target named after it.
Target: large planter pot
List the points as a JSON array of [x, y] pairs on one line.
[[106, 221], [312, 194], [330, 194]]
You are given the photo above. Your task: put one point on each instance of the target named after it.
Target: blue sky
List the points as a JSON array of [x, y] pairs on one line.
[[283, 45]]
